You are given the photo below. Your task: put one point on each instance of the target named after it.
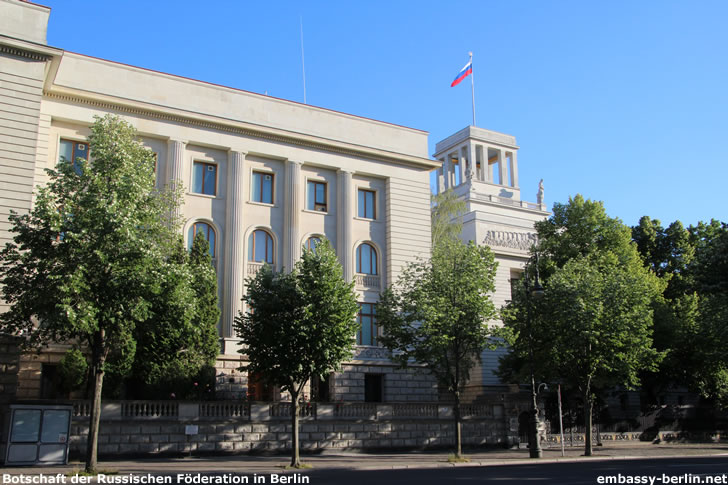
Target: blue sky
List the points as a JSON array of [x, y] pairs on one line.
[[621, 101]]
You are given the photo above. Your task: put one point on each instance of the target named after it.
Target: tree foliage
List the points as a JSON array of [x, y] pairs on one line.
[[593, 327], [446, 217], [436, 314], [87, 260], [690, 319], [298, 325], [180, 338]]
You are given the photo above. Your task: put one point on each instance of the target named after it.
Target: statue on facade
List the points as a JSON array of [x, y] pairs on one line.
[[539, 195]]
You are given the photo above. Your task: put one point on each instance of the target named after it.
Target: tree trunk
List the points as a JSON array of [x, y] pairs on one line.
[[458, 431], [94, 422], [588, 404], [295, 453]]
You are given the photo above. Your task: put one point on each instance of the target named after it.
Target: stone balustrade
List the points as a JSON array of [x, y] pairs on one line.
[[258, 411]]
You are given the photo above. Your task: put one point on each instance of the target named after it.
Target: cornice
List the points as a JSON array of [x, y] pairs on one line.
[[19, 52], [239, 128]]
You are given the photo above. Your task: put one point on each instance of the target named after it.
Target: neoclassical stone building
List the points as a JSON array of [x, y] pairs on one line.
[[263, 178]]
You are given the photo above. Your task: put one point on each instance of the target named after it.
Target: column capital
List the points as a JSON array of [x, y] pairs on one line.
[[344, 171], [296, 162]]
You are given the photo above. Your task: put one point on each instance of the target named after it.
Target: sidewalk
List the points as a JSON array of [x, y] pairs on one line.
[[331, 459]]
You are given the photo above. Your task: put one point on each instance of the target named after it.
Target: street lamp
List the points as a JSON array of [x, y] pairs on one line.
[[536, 291]]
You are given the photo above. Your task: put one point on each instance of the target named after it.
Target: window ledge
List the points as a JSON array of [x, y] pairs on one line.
[[264, 204], [204, 196], [364, 219], [316, 212]]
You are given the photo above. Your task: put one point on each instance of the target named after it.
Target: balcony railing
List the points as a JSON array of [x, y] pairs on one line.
[[254, 269], [367, 281]]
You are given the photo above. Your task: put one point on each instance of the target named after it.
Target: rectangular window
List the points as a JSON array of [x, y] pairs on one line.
[[367, 318], [70, 151], [262, 187], [367, 204], [204, 178], [373, 387], [316, 196]]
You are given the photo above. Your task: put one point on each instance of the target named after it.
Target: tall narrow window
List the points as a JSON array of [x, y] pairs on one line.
[[316, 196], [262, 187], [367, 318], [260, 247], [367, 206], [204, 178], [366, 259], [209, 233], [70, 151]]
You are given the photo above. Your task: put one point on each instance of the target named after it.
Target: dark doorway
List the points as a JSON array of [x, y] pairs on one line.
[[373, 387]]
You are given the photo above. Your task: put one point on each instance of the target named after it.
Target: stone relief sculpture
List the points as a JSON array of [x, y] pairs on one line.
[[511, 240]]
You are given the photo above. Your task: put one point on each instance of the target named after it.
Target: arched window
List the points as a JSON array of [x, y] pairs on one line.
[[312, 242], [208, 232], [366, 259], [260, 247]]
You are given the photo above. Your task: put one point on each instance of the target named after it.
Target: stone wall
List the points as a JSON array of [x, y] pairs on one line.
[[399, 385], [9, 366], [136, 427]]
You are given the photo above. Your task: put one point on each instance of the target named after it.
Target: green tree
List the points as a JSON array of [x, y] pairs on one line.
[[87, 260], [711, 283], [436, 315], [180, 337], [298, 325], [690, 323], [593, 327], [446, 216], [72, 370]]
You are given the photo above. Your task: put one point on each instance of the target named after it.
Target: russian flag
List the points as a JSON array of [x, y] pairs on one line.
[[464, 72]]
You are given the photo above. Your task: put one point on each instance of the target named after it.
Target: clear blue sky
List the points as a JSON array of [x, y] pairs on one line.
[[621, 101]]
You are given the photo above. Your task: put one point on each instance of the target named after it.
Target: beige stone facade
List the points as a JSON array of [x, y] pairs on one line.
[[261, 175]]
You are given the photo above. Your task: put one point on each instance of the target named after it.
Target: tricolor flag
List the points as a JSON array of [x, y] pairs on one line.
[[464, 72]]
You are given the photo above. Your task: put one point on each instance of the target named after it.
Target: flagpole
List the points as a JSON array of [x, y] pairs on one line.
[[472, 84], [303, 63]]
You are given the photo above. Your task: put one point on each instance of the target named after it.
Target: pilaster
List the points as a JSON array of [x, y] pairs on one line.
[[175, 166], [234, 256], [292, 210], [344, 222]]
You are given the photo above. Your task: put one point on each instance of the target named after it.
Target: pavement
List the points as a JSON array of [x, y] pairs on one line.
[[337, 460]]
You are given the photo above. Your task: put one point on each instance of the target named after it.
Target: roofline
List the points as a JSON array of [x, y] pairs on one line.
[[36, 4], [247, 92]]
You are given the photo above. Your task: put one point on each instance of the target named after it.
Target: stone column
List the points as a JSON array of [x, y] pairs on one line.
[[447, 171], [292, 211], [464, 174], [473, 154], [175, 165], [514, 169], [345, 215], [234, 263], [502, 167]]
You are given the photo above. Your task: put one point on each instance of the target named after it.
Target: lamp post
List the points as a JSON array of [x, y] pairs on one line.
[[535, 291]]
